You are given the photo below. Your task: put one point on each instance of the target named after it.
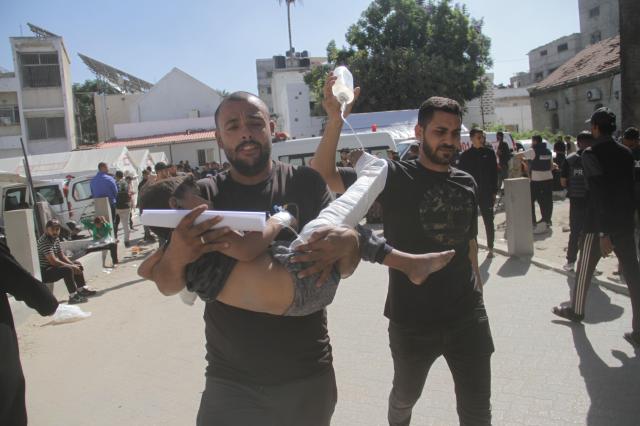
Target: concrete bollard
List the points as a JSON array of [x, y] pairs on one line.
[[518, 211], [22, 239]]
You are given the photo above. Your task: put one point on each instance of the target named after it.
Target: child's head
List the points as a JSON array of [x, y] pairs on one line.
[[99, 221], [179, 192]]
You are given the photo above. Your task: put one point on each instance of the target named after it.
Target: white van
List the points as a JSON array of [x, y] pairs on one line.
[[70, 199], [300, 151]]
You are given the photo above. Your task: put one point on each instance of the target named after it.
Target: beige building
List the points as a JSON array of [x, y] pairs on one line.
[[590, 80], [36, 101]]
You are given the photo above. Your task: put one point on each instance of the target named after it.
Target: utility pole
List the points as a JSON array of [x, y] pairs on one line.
[[630, 62]]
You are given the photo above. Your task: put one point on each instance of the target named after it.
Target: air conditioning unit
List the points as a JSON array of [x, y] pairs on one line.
[[594, 94], [550, 105]]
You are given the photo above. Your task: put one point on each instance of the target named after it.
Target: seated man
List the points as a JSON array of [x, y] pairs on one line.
[[103, 238], [259, 275], [54, 265]]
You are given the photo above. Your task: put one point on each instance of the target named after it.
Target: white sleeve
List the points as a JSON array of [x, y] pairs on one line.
[[352, 206]]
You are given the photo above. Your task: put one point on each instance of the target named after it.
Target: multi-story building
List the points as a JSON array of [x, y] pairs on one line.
[[544, 60], [37, 98], [599, 19], [281, 86]]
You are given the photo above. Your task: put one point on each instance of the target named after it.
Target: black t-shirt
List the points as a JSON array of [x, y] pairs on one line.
[[427, 211], [481, 164], [260, 348]]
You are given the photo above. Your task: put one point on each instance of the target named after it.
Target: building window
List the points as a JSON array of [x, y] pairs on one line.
[[562, 47], [594, 12], [46, 128], [538, 76], [269, 74], [596, 37], [202, 157], [9, 115], [40, 70], [543, 52]]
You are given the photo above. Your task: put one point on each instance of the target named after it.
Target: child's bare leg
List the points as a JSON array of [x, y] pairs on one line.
[[418, 267]]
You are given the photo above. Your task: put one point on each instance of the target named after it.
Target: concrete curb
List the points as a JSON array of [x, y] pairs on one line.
[[545, 264]]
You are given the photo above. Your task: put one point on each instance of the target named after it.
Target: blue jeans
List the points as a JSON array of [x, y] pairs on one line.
[[466, 346], [310, 402]]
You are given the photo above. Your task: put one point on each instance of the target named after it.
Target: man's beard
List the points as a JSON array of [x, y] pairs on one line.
[[247, 168], [433, 155]]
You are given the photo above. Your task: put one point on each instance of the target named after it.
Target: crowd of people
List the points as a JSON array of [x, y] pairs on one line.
[[267, 340]]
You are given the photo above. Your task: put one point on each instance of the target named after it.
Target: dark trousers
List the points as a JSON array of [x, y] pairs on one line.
[[486, 209], [577, 214], [466, 346], [72, 281], [308, 402], [113, 250], [541, 191], [625, 250]]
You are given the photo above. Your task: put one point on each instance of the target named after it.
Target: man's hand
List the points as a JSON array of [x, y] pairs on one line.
[[325, 247], [190, 241], [606, 246], [330, 103]]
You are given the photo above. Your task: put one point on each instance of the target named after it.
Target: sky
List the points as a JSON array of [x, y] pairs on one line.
[[218, 42]]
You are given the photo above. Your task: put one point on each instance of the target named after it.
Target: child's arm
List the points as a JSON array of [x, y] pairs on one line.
[[247, 247]]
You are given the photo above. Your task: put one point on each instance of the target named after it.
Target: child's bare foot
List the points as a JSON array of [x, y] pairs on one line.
[[424, 265]]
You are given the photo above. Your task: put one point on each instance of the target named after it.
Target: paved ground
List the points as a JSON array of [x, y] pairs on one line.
[[550, 249], [139, 359]]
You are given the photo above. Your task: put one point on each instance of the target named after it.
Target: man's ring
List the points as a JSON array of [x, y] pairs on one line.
[[202, 240]]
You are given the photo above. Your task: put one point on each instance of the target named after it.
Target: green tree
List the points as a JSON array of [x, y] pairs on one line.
[[403, 51], [86, 126]]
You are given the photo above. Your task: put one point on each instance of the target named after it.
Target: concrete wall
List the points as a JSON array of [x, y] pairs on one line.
[[188, 151], [151, 128], [175, 96], [607, 22], [573, 106], [546, 64], [291, 99], [112, 110], [513, 108]]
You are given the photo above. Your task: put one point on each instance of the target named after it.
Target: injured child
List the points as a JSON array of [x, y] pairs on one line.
[[259, 274]]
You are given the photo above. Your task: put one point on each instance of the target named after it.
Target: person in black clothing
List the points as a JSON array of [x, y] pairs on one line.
[[631, 139], [262, 369], [344, 158], [480, 162], [560, 150], [19, 283], [608, 168], [540, 164], [572, 178], [504, 155], [431, 207]]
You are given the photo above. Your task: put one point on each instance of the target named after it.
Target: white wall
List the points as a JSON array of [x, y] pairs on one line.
[[175, 96], [188, 151], [291, 102], [111, 110], [151, 128]]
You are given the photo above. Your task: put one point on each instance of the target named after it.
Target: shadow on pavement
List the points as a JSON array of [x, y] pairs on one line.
[[613, 391], [119, 286], [514, 267]]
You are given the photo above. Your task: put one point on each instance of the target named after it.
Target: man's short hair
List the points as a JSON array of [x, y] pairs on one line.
[[536, 138], [437, 103], [499, 134], [584, 137], [631, 134], [474, 132], [235, 96], [119, 174], [52, 223], [160, 166], [101, 165]]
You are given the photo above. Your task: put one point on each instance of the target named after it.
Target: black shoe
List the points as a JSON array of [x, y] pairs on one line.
[[83, 291], [633, 338], [77, 298], [567, 313]]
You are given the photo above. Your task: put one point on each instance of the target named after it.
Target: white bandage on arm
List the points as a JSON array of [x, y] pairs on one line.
[[352, 206]]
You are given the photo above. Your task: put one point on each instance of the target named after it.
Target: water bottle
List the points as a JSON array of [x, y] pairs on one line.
[[343, 87]]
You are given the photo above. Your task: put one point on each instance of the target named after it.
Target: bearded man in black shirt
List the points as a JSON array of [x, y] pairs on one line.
[[480, 162], [262, 369], [429, 206]]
